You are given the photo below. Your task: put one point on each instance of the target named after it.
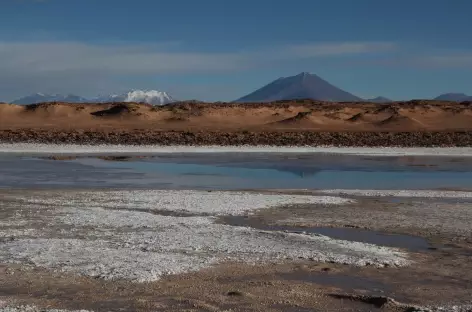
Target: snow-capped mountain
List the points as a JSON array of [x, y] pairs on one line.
[[41, 97], [151, 97]]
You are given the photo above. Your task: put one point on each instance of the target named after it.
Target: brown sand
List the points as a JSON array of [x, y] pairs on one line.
[[300, 122]]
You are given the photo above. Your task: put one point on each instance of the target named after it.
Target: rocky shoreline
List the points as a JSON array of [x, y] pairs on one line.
[[236, 138]]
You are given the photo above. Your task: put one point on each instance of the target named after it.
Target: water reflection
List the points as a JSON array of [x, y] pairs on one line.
[[240, 171]]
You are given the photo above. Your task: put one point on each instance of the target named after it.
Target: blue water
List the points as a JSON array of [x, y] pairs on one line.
[[409, 242], [323, 178], [240, 171]]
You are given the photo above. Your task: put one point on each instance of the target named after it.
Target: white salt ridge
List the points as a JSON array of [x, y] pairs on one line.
[[246, 244], [401, 193], [35, 309], [198, 202], [33, 148]]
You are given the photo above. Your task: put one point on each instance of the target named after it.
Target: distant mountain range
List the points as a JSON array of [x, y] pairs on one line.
[[380, 99], [41, 97], [311, 86], [151, 97], [454, 97], [301, 86]]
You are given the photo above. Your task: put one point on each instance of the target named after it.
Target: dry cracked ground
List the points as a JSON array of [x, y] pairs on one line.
[[150, 250]]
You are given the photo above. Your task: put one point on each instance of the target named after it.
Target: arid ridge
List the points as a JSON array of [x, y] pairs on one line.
[[301, 122]]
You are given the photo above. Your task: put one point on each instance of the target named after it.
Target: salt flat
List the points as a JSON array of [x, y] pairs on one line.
[[32, 148]]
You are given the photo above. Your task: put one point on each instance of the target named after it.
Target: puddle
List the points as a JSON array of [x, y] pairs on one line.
[[412, 243], [344, 282]]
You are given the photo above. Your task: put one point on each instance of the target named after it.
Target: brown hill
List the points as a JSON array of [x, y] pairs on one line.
[[302, 115]]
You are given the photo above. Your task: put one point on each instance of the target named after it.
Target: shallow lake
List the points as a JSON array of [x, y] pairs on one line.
[[239, 171]]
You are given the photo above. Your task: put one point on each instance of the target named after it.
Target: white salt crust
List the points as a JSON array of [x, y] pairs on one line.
[[33, 148], [120, 234], [448, 308]]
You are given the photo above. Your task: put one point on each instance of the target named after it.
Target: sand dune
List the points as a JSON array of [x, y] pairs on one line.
[[400, 122], [301, 118], [295, 115]]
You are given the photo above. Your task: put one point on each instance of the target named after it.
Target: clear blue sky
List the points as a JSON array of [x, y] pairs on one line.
[[221, 50]]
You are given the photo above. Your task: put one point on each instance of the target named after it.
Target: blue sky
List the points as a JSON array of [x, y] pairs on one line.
[[220, 50]]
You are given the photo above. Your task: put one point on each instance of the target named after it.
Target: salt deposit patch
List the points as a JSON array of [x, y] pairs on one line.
[[145, 257], [246, 244], [33, 148], [198, 202], [123, 234], [402, 193], [133, 219], [100, 260]]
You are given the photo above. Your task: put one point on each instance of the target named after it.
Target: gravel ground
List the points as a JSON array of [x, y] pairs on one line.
[[238, 138], [401, 193], [443, 215], [465, 308], [34, 309]]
